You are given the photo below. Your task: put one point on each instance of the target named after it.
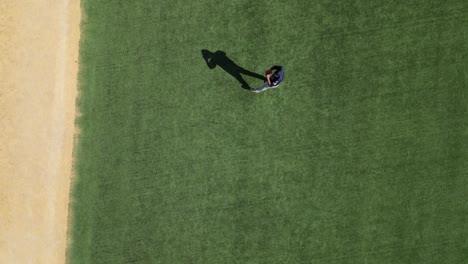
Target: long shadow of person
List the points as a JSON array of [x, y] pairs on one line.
[[219, 58]]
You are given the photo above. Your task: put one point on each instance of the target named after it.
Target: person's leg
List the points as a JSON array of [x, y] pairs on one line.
[[261, 88]]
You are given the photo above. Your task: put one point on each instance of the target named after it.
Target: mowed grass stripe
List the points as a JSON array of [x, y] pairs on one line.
[[358, 157]]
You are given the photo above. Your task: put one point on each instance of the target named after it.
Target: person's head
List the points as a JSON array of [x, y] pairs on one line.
[[208, 56], [206, 53]]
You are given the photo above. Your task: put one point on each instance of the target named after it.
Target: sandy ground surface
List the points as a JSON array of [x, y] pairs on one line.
[[38, 79]]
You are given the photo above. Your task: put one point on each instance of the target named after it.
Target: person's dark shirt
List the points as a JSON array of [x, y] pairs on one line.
[[278, 76]]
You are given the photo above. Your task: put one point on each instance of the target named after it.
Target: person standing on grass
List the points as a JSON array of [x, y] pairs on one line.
[[273, 79]]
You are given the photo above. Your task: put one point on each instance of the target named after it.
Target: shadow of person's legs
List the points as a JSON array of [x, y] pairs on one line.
[[240, 79], [252, 74], [220, 59]]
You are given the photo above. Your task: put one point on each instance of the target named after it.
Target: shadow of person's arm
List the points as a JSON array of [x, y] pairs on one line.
[[208, 56]]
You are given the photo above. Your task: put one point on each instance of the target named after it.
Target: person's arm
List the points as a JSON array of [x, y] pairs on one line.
[[209, 62], [268, 75]]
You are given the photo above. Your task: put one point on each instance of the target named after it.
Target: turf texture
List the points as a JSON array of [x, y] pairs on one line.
[[360, 156]]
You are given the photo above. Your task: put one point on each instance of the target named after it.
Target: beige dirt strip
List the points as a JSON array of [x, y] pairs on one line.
[[39, 42]]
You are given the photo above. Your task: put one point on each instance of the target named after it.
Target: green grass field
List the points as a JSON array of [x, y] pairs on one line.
[[361, 155]]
